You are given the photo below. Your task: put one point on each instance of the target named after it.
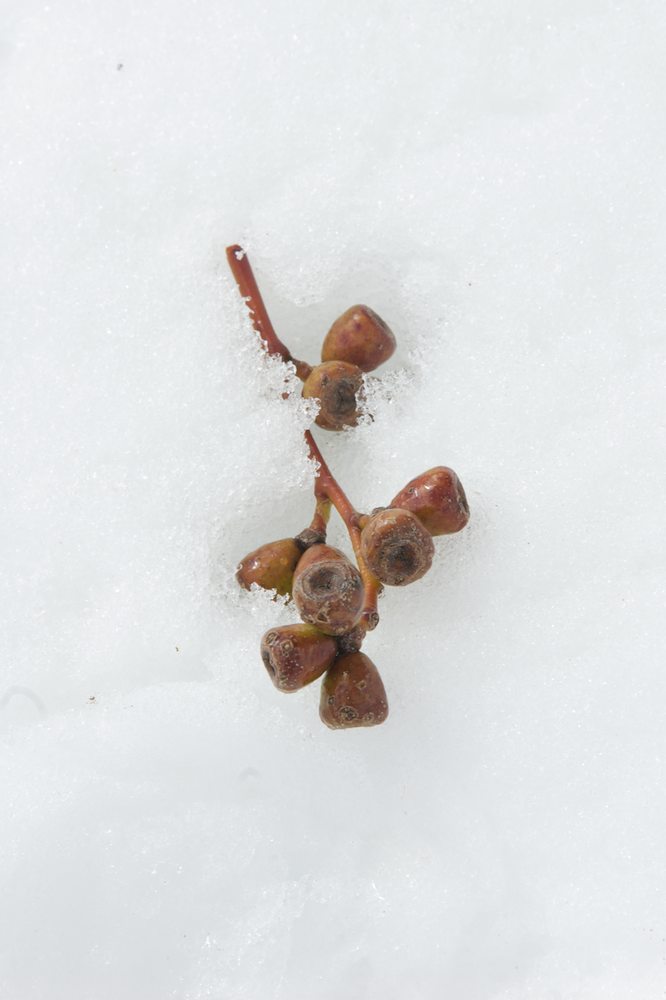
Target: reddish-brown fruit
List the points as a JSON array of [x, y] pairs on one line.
[[438, 500], [361, 337], [296, 655], [336, 384], [271, 566], [352, 694], [396, 547], [328, 590]]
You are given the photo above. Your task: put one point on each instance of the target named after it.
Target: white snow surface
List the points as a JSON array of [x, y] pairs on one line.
[[489, 177]]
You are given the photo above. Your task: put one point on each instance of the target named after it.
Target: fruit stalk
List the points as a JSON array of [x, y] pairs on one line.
[[247, 285], [322, 511], [327, 484]]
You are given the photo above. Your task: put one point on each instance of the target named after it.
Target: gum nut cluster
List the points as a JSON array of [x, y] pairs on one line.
[[393, 545], [328, 593], [358, 342]]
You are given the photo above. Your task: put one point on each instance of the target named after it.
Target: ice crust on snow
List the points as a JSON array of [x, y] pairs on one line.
[[489, 179]]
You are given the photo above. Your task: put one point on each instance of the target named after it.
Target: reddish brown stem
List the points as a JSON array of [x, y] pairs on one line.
[[315, 533], [327, 489], [321, 515], [327, 484], [247, 285]]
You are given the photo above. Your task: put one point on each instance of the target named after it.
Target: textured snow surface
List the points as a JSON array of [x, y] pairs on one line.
[[490, 178]]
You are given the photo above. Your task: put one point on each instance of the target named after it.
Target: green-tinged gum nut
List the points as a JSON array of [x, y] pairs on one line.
[[296, 655], [353, 694], [328, 590], [271, 566], [336, 384], [396, 547], [438, 499], [360, 337]]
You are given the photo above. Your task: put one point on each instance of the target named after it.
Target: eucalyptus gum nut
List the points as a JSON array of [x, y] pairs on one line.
[[396, 547], [361, 337], [296, 655], [438, 499], [328, 590], [337, 385], [352, 694], [271, 566]]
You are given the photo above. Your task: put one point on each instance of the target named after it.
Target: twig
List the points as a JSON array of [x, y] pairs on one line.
[[247, 285], [327, 489], [328, 484]]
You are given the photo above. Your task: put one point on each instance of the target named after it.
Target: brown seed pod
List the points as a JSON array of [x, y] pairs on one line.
[[361, 337], [336, 384], [352, 694], [438, 499], [396, 547], [271, 566], [328, 590], [296, 655]]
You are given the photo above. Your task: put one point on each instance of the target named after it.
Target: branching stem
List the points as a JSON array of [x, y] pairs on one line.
[[328, 484], [327, 489]]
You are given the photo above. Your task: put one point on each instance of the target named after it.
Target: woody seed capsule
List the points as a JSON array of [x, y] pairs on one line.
[[336, 384], [296, 655], [438, 499], [361, 337], [328, 590], [271, 566], [396, 547], [353, 694]]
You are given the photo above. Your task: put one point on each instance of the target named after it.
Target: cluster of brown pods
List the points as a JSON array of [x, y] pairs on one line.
[[335, 598]]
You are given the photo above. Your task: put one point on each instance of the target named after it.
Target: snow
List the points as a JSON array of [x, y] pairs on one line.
[[489, 178]]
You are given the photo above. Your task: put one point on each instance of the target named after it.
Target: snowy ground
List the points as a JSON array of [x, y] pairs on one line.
[[490, 178]]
